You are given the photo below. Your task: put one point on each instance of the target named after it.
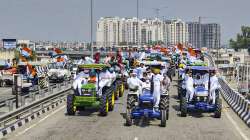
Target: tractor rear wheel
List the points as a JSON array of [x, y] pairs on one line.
[[121, 90], [117, 93], [131, 100], [218, 108], [183, 106], [104, 105], [129, 120], [70, 105]]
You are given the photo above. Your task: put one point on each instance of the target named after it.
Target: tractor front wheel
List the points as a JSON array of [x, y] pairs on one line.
[[70, 105], [163, 118], [218, 108], [104, 105], [183, 106]]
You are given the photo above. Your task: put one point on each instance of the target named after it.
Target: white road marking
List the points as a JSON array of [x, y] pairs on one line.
[[136, 138], [236, 126], [43, 119]]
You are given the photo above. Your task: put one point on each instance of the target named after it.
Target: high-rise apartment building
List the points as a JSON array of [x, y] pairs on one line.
[[113, 31], [211, 35], [195, 34], [178, 32]]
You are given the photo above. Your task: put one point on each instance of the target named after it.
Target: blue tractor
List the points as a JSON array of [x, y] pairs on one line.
[[201, 100], [142, 105]]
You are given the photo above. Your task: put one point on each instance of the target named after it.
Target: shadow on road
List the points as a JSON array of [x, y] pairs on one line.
[[142, 122], [175, 97], [86, 112], [176, 107]]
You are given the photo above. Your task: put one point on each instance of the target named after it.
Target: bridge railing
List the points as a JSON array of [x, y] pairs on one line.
[[8, 104]]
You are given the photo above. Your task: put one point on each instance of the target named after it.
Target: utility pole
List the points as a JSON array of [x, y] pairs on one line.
[[137, 15], [91, 28]]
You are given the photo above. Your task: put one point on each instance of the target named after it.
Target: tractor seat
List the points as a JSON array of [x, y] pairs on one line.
[[200, 91]]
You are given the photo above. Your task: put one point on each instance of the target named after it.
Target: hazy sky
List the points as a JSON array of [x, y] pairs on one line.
[[70, 19]]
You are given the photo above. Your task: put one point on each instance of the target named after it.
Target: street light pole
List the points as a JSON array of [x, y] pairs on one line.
[[157, 10], [91, 26]]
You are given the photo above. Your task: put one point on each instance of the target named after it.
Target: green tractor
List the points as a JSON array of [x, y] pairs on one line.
[[94, 92]]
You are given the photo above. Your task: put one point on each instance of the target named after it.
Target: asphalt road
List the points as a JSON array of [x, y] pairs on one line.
[[89, 126], [5, 93]]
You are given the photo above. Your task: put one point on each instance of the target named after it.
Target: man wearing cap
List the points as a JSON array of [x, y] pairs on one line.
[[157, 86]]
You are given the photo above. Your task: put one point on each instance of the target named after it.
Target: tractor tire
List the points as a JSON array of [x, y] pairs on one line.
[[104, 105], [111, 100], [129, 120], [183, 106], [131, 100], [167, 109], [70, 105], [117, 93], [163, 118], [218, 108], [121, 90], [163, 103]]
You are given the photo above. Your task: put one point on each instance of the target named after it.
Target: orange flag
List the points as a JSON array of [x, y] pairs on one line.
[[180, 47], [191, 52], [58, 51]]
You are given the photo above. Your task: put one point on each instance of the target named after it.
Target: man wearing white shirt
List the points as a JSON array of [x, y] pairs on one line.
[[189, 84], [214, 85], [157, 86], [81, 78], [134, 83]]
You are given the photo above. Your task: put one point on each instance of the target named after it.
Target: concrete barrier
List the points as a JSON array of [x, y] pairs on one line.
[[244, 110], [236, 101], [240, 105]]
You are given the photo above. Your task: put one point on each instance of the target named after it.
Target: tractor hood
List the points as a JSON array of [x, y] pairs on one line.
[[89, 86]]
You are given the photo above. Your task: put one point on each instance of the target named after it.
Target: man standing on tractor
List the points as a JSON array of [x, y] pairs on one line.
[[157, 80], [189, 86], [214, 85]]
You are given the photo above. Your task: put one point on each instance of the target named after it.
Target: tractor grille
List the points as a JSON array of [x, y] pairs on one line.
[[88, 92], [146, 104]]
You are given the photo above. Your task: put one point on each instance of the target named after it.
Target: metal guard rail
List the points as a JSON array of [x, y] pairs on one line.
[[20, 111], [237, 101]]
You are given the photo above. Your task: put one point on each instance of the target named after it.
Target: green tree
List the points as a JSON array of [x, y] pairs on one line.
[[242, 40]]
